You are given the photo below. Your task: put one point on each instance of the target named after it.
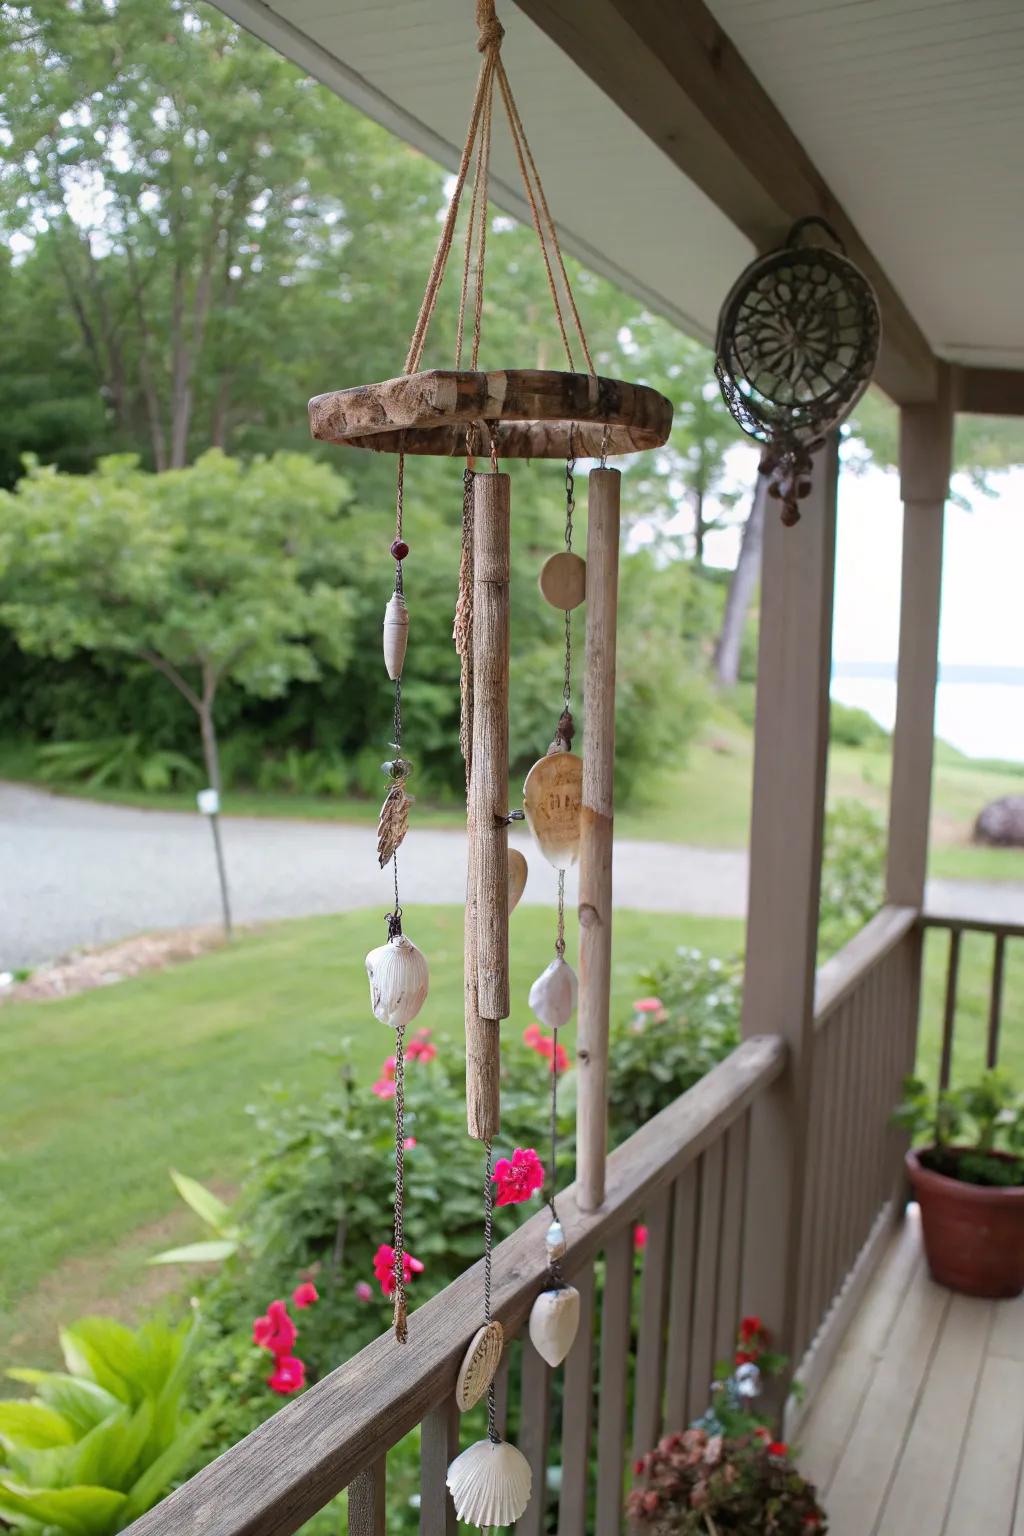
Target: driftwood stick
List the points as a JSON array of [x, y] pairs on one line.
[[487, 970], [595, 908]]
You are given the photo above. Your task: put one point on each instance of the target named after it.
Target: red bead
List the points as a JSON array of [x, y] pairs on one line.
[[399, 549]]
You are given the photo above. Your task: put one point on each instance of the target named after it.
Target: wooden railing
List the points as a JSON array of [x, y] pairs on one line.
[[997, 911], [642, 1360], [866, 1009]]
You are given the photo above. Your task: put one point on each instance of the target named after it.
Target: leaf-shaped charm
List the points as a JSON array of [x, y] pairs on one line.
[[393, 823]]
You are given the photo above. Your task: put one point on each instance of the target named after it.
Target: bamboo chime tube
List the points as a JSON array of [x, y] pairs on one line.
[[595, 890], [487, 918]]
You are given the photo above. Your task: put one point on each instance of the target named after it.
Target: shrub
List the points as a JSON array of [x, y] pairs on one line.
[[98, 1445], [852, 873], [852, 727], [696, 1484]]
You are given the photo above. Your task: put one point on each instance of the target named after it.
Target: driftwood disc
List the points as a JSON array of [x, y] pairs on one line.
[[563, 580], [530, 411], [479, 1365], [552, 796], [517, 872]]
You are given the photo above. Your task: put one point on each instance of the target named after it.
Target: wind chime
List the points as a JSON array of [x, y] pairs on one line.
[[797, 342], [474, 415]]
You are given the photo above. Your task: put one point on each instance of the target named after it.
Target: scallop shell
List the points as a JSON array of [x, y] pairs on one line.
[[490, 1484], [479, 1365], [517, 872], [399, 981], [396, 634], [552, 796], [553, 994], [554, 1320]]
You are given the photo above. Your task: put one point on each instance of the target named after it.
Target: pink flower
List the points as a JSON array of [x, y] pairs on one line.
[[305, 1294], [409, 1143], [535, 1038], [519, 1179], [275, 1331], [639, 1237], [363, 1290], [289, 1375], [648, 1005], [384, 1268], [421, 1046], [532, 1036], [384, 1087]]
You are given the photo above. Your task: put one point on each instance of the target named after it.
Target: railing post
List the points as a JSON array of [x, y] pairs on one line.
[[926, 446], [790, 751]]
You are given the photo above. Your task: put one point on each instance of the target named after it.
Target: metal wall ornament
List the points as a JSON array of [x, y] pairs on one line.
[[797, 342]]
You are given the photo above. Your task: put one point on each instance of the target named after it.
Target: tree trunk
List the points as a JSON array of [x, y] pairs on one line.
[[741, 590], [698, 527]]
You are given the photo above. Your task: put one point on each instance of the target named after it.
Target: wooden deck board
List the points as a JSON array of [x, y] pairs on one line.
[[918, 1430]]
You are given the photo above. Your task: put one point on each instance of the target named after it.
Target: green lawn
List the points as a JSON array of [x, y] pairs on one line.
[[705, 801], [107, 1090]]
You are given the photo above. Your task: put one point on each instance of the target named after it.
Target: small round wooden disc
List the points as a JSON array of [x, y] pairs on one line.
[[563, 580], [479, 1365], [552, 797], [517, 872]]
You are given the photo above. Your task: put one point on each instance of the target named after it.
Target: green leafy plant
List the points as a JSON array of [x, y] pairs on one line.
[[101, 1442], [214, 1214], [852, 873], [974, 1133], [124, 762]]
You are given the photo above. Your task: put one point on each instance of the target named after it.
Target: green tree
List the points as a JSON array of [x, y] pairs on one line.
[[209, 574]]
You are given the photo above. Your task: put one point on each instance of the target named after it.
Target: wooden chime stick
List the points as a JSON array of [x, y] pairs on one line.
[[487, 919], [595, 891]]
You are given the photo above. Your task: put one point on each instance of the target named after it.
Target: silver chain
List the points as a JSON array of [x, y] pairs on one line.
[[400, 1306], [570, 508], [492, 1417]]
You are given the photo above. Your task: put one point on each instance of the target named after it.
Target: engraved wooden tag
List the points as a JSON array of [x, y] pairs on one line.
[[479, 1365], [552, 796], [563, 580]]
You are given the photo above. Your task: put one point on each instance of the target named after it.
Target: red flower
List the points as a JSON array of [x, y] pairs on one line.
[[421, 1046], [639, 1467], [639, 1237], [532, 1036], [778, 1448], [519, 1179], [305, 1294], [535, 1038], [275, 1331], [384, 1087], [745, 1357], [762, 1434], [650, 1501], [409, 1143], [649, 1005], [289, 1375], [751, 1328], [384, 1268]]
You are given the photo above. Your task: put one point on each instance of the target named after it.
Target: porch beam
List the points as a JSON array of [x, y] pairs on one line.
[[989, 391], [676, 74], [926, 448], [787, 820]]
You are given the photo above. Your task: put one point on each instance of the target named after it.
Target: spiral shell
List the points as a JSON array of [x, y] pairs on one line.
[[399, 981], [554, 1320], [490, 1484], [553, 994], [479, 1365], [396, 635]]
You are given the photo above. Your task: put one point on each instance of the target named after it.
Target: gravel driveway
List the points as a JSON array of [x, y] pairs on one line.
[[75, 872]]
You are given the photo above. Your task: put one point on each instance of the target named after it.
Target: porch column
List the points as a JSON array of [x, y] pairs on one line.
[[926, 449], [790, 749]]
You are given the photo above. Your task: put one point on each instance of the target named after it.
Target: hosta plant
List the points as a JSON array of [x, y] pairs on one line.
[[98, 1444]]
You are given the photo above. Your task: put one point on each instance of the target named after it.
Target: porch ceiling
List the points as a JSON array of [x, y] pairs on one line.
[[667, 163]]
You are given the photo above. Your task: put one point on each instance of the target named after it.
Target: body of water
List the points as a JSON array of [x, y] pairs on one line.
[[979, 710]]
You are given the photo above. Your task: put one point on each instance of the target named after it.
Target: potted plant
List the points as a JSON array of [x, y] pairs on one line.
[[968, 1178]]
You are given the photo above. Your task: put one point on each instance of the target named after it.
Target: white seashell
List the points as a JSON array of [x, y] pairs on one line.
[[554, 1320], [396, 634], [399, 981], [554, 1242], [479, 1365], [517, 872], [490, 1484], [553, 994]]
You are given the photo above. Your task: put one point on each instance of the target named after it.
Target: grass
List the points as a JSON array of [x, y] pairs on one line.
[[705, 801], [107, 1090]]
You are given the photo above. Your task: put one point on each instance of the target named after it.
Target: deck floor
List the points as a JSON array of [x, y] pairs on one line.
[[918, 1429]]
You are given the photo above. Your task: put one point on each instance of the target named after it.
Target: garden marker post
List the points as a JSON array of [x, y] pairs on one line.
[[595, 890], [787, 822], [926, 451]]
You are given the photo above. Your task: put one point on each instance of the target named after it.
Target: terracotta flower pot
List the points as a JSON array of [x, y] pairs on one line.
[[973, 1234]]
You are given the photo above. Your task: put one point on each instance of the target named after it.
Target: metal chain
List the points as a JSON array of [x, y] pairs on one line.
[[401, 1329], [570, 508], [492, 1420]]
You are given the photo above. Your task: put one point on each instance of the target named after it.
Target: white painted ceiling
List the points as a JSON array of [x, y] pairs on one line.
[[913, 111]]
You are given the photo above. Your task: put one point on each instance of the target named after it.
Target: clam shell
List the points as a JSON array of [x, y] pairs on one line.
[[396, 634], [479, 1365], [399, 981], [517, 872], [554, 1320], [552, 796], [553, 994], [490, 1484]]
